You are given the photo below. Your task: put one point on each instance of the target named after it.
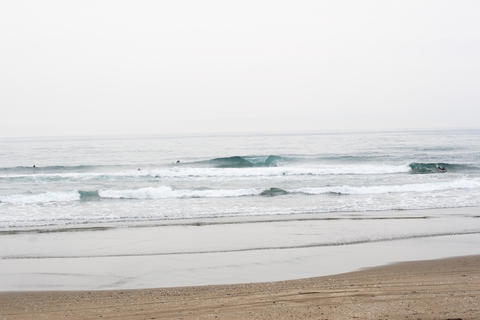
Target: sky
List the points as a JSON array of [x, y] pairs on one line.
[[107, 67]]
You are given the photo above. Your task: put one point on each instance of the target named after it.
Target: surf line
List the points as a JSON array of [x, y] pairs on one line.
[[301, 246]]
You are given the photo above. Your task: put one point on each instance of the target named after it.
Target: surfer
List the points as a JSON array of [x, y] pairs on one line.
[[178, 161], [34, 166], [441, 168]]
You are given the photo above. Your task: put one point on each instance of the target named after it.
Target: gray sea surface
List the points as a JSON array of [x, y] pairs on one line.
[[58, 183]]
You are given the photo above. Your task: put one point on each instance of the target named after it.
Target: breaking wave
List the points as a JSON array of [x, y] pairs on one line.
[[45, 197], [272, 192], [89, 195], [202, 172], [423, 168], [241, 162], [235, 166], [167, 192], [380, 189]]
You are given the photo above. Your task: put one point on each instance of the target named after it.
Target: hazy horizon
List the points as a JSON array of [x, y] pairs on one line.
[[147, 68], [244, 133]]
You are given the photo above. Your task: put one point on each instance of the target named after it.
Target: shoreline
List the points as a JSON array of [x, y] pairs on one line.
[[433, 289], [229, 253], [422, 213]]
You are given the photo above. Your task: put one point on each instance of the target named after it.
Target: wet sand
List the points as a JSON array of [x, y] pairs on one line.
[[435, 289], [234, 250]]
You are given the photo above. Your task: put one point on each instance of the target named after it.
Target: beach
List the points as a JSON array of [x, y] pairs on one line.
[[230, 250], [250, 268], [240, 160], [436, 289], [118, 232]]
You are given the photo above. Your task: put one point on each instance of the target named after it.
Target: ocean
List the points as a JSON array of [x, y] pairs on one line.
[[61, 183]]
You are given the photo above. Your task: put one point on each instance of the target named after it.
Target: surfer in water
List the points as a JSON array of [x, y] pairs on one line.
[[441, 168]]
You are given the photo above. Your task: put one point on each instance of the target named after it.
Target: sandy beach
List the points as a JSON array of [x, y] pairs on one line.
[[247, 269], [434, 289]]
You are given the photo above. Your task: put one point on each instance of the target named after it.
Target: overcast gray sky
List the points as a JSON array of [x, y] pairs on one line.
[[163, 67]]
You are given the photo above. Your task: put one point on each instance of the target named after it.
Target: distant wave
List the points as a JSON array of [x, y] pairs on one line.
[[221, 162], [277, 160], [423, 168], [167, 192], [241, 162], [440, 148], [234, 167], [53, 169]]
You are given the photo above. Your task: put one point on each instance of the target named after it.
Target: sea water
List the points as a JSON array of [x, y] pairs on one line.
[[80, 182]]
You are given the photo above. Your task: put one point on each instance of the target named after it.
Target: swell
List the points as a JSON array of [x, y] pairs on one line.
[[220, 162], [241, 161], [276, 160], [167, 192], [300, 246]]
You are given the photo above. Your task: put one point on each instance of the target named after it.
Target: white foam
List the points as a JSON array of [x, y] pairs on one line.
[[165, 192], [162, 192], [185, 172], [414, 187], [41, 197]]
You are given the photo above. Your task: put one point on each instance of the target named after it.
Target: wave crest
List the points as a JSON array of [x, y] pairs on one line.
[[439, 167], [89, 195], [272, 192], [241, 162], [167, 192]]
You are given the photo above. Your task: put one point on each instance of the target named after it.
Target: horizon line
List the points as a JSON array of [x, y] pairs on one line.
[[241, 133]]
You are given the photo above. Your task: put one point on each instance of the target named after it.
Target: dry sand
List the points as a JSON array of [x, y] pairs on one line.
[[437, 289]]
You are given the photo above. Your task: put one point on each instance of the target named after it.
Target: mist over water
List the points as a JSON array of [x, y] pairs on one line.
[[78, 181]]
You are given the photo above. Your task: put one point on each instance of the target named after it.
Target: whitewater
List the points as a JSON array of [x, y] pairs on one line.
[[84, 182]]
